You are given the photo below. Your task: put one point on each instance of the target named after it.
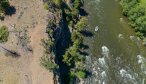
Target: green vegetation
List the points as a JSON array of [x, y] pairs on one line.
[[4, 34], [4, 4], [47, 63], [47, 60], [71, 59], [82, 23], [135, 10], [58, 2], [46, 6]]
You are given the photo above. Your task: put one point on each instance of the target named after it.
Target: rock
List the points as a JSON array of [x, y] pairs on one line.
[[132, 37], [120, 36]]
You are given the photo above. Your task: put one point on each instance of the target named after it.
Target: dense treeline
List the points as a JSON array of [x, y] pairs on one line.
[[4, 4], [66, 12], [136, 13]]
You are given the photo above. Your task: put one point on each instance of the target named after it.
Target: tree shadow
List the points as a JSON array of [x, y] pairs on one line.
[[88, 74], [12, 53], [84, 53], [84, 46], [10, 10], [83, 12], [2, 18], [86, 33]]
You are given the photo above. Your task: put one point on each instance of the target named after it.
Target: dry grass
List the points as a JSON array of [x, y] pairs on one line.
[[29, 18]]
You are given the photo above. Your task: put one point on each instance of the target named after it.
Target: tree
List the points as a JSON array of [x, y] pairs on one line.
[[4, 4], [68, 58], [58, 2], [76, 36], [82, 23]]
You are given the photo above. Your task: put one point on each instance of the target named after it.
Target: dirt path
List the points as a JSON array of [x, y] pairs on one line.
[[29, 17]]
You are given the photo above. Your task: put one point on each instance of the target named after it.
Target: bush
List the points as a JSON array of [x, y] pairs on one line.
[[48, 63], [80, 74], [4, 34], [46, 6], [68, 58]]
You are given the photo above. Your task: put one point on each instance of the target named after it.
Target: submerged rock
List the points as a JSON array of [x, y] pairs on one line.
[[96, 28]]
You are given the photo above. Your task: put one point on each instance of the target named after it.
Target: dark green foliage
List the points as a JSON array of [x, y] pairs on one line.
[[4, 34], [75, 35], [82, 23], [71, 58], [136, 14], [4, 4], [77, 4]]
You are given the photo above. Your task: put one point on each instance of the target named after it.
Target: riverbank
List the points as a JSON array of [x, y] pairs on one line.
[[135, 11]]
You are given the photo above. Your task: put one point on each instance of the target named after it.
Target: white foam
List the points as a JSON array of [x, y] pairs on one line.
[[140, 59], [105, 51], [123, 72], [103, 74], [142, 62], [98, 0], [143, 81], [102, 61]]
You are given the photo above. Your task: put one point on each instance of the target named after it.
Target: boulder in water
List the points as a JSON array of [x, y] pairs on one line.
[[120, 36], [96, 28]]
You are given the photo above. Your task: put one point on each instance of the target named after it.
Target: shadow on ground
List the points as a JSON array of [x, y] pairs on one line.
[[10, 11]]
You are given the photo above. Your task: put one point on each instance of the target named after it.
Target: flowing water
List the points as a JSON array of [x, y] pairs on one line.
[[117, 55]]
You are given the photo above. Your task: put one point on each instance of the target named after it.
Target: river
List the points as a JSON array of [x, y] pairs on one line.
[[116, 56]]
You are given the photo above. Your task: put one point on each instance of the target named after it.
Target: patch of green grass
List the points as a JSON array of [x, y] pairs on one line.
[[3, 34]]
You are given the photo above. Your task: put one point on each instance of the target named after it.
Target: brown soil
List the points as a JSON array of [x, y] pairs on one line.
[[25, 69]]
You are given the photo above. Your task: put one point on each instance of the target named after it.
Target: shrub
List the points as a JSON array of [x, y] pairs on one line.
[[4, 34], [46, 6], [80, 74], [58, 2], [48, 63]]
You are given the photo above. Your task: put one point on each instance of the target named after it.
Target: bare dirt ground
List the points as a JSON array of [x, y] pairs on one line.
[[30, 20]]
